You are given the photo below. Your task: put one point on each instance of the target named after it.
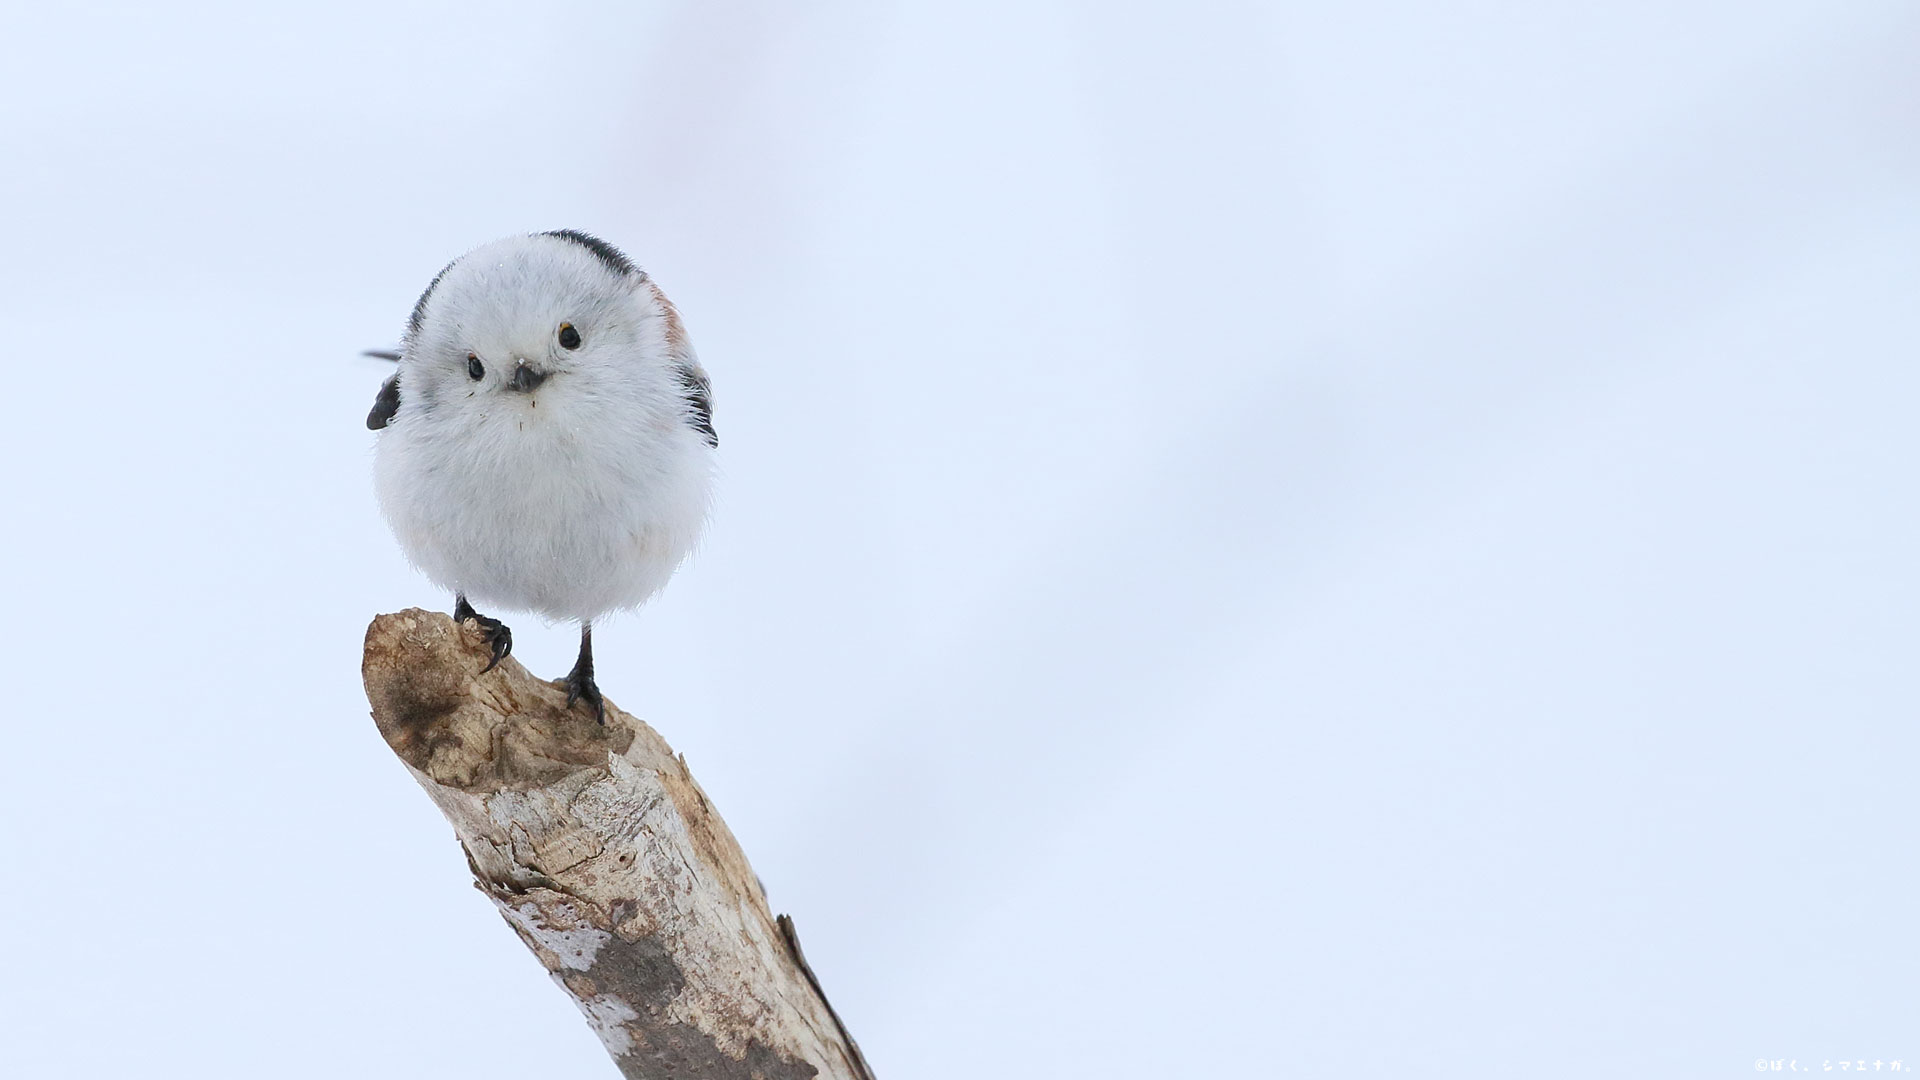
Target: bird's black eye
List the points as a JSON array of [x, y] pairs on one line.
[[475, 369], [569, 337]]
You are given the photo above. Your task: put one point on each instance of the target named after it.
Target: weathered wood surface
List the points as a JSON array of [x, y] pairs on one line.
[[609, 862]]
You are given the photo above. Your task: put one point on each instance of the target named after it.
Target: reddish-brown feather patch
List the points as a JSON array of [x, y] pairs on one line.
[[676, 331]]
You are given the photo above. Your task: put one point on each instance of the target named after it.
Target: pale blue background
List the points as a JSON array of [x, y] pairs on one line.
[[1256, 540]]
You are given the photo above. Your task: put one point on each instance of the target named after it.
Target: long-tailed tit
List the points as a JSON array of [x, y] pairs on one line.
[[547, 444]]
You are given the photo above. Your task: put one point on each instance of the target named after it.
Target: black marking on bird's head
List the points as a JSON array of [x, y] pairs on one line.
[[611, 257], [420, 306]]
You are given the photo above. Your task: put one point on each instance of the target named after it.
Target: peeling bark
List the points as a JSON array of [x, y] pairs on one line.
[[607, 859]]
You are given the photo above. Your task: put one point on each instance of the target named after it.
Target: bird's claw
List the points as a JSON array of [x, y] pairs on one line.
[[499, 639], [581, 686]]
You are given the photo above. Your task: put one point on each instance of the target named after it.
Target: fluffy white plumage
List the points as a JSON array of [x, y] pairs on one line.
[[569, 482]]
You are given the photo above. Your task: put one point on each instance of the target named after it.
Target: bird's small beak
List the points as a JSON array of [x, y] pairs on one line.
[[526, 377]]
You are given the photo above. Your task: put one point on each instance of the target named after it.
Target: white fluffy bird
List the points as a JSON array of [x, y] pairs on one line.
[[547, 444]]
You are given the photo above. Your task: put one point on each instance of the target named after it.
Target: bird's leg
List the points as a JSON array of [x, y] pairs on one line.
[[498, 637], [580, 682]]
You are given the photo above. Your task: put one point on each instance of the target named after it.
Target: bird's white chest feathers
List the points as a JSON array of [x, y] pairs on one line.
[[570, 502]]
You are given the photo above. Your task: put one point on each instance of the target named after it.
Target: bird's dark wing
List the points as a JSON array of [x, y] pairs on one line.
[[385, 405], [699, 394]]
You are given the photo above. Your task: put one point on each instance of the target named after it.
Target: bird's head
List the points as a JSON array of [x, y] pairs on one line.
[[553, 317]]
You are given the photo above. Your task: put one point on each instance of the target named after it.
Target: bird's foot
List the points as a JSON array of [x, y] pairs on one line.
[[499, 639], [581, 687]]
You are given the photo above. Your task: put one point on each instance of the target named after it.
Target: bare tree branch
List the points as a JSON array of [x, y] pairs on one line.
[[607, 859]]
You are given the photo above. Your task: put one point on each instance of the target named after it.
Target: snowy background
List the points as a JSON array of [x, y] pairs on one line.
[[1255, 540]]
